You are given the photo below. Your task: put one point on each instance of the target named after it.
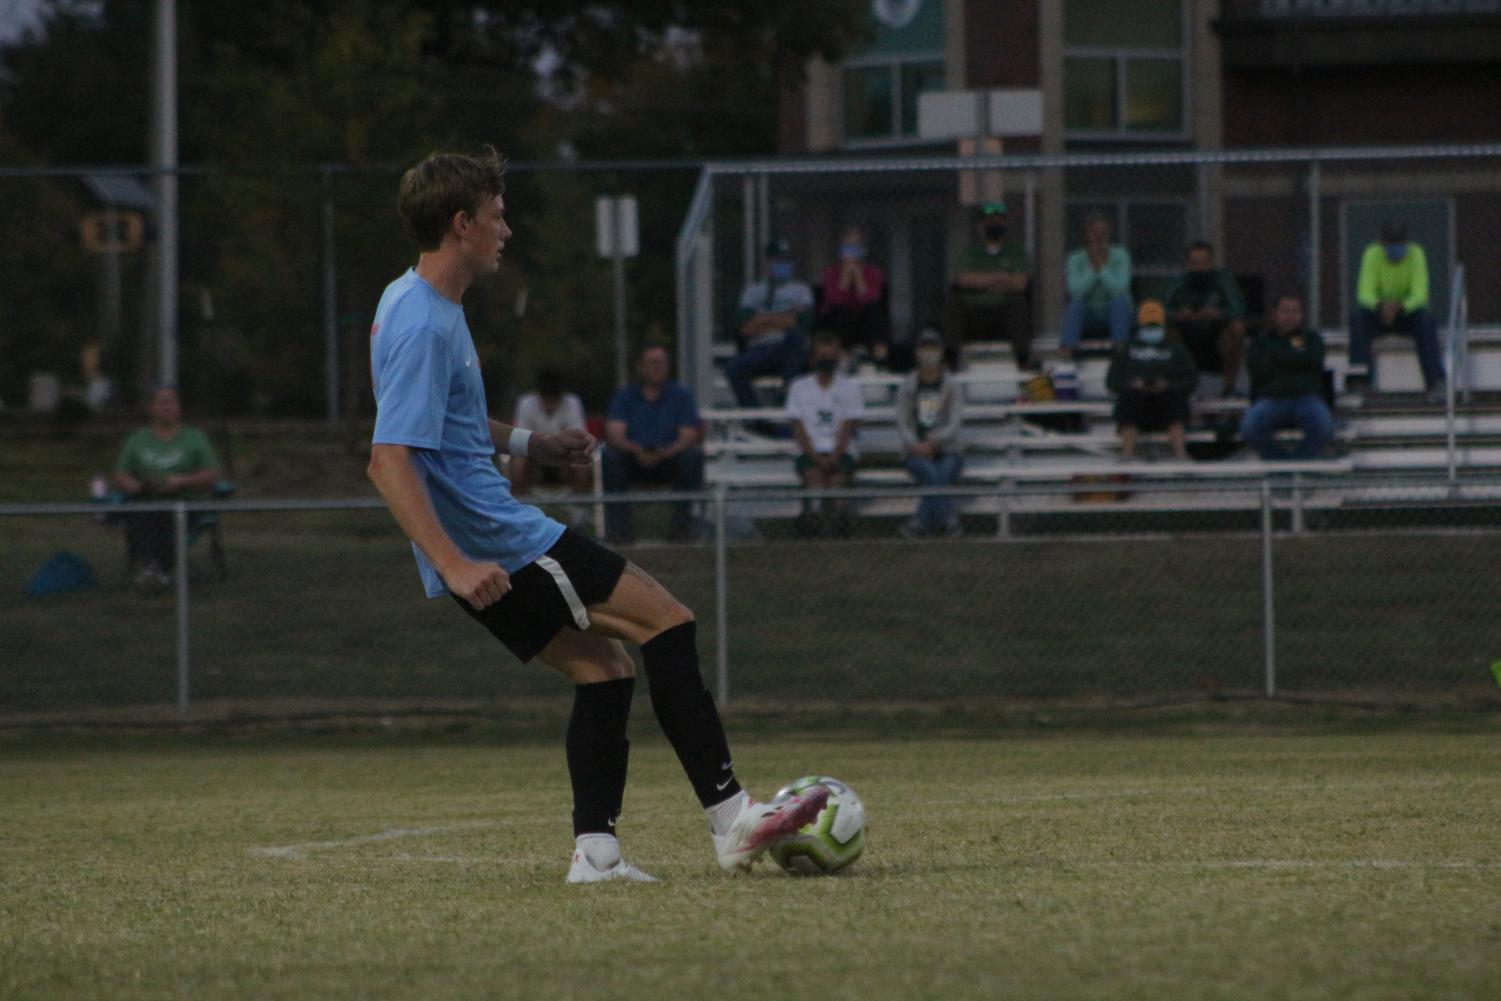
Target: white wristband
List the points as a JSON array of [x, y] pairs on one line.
[[519, 440]]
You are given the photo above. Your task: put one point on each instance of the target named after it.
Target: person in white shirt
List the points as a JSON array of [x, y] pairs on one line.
[[825, 409], [547, 411]]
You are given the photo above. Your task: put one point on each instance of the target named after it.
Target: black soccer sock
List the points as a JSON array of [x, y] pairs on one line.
[[598, 753], [686, 711]]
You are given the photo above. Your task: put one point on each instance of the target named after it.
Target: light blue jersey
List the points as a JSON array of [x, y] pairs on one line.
[[429, 396]]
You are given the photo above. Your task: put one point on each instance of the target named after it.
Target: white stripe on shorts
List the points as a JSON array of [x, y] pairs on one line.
[[580, 616]]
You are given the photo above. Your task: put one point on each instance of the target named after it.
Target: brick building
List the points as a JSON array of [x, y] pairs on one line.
[[1165, 76]]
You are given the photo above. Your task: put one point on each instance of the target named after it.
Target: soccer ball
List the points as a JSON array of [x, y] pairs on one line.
[[833, 840]]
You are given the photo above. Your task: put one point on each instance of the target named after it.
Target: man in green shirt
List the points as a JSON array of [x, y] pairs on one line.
[[988, 296], [162, 461], [1287, 380], [1206, 312], [1392, 297]]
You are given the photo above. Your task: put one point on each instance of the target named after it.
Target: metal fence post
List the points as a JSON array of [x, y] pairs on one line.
[[1269, 630], [180, 531], [1299, 525], [721, 596]]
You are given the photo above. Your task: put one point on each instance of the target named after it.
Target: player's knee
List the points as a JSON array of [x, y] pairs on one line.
[[676, 614], [619, 665]]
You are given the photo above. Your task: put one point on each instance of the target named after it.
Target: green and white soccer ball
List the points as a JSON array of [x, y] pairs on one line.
[[833, 840]]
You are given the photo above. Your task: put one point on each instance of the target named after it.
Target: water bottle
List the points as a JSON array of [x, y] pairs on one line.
[[1065, 381]]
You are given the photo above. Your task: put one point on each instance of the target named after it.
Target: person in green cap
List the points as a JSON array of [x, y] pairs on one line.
[[163, 461], [988, 296]]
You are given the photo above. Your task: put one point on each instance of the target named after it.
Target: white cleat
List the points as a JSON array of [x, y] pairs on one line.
[[584, 871], [759, 825]]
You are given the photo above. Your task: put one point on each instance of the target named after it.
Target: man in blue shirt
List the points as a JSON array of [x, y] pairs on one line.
[[652, 436], [541, 589], [775, 318]]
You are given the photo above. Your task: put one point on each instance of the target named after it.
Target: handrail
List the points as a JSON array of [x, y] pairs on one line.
[[693, 345], [1457, 362]]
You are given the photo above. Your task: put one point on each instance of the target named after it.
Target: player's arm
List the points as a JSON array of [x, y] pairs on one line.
[[569, 447], [480, 584], [688, 436], [804, 443], [843, 436]]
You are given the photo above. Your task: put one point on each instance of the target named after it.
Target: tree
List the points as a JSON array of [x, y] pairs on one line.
[[271, 91]]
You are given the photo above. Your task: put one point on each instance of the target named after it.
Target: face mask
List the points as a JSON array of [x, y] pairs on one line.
[[779, 271], [995, 232], [826, 366], [1396, 251], [1150, 335], [930, 359], [853, 251]]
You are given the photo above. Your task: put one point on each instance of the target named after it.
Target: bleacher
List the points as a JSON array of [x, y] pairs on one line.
[[1007, 442]]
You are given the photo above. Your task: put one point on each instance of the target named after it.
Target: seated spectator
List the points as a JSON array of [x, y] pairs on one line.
[[1206, 311], [1099, 289], [652, 436], [1392, 297], [929, 408], [825, 409], [1287, 382], [1152, 377], [548, 411], [774, 320], [164, 461], [988, 296], [853, 299]]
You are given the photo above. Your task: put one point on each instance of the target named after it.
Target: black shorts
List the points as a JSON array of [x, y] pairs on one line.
[[1151, 411], [550, 594]]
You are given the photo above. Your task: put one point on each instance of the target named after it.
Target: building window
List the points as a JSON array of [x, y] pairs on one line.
[[903, 60], [880, 99], [1123, 77]]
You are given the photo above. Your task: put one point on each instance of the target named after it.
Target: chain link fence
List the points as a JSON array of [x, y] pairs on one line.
[[1340, 588]]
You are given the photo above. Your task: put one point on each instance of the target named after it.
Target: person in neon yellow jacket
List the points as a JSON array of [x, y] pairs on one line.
[[1392, 297]]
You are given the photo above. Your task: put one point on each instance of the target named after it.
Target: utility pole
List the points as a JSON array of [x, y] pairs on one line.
[[164, 181]]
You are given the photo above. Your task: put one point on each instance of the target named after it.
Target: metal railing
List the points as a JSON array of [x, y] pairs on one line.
[[1457, 362]]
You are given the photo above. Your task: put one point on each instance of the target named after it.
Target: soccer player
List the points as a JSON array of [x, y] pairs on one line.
[[541, 589]]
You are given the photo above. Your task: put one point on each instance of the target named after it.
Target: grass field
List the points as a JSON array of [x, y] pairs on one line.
[[1205, 862]]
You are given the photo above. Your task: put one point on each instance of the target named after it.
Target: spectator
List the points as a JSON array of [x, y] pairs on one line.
[[548, 411], [1152, 377], [163, 461], [928, 411], [652, 436], [825, 410], [775, 317], [854, 293], [1287, 382], [1206, 311], [1392, 297], [1099, 289], [988, 296]]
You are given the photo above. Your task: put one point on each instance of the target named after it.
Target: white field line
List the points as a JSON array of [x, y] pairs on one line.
[[306, 848]]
